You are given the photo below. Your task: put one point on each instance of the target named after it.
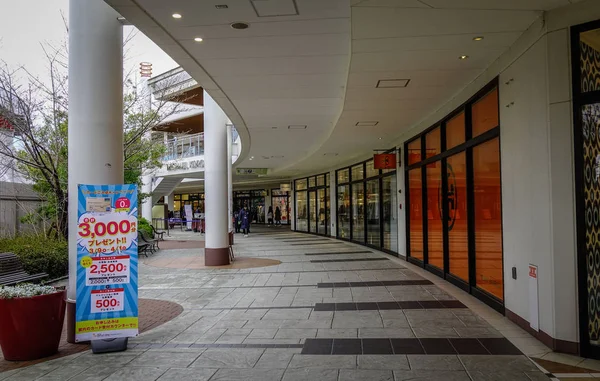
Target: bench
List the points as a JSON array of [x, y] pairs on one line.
[[153, 242], [143, 247], [157, 234], [12, 272]]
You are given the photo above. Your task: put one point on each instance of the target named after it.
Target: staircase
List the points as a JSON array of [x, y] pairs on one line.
[[164, 186]]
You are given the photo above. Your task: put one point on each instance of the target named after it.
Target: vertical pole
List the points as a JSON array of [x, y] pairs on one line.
[[95, 113], [229, 183], [216, 184]]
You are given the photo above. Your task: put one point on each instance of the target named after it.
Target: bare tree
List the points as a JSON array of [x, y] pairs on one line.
[[36, 111]]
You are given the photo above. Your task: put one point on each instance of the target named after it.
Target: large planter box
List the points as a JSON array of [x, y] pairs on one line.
[[30, 328]]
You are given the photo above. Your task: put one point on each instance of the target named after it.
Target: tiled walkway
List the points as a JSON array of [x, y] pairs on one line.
[[330, 311]]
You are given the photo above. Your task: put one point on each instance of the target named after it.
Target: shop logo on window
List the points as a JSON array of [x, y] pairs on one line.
[[451, 197]]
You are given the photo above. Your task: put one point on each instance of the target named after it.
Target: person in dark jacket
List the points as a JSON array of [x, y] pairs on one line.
[[277, 216], [270, 216], [245, 218], [238, 222]]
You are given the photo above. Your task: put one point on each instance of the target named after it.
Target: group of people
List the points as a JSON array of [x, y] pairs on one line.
[[277, 216], [243, 219]]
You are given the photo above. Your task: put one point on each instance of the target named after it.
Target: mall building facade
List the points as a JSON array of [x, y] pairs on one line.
[[498, 192]]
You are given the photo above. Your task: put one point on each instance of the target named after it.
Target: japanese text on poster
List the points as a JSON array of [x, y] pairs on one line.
[[107, 262]]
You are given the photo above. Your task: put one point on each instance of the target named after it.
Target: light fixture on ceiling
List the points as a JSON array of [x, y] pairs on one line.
[[277, 157], [463, 57], [478, 38], [380, 138], [330, 154], [251, 158], [392, 83], [240, 25], [198, 39], [221, 6], [297, 127], [274, 127], [367, 124], [177, 15]]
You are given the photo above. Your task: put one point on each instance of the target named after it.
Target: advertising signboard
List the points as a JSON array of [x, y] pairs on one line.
[[107, 262]]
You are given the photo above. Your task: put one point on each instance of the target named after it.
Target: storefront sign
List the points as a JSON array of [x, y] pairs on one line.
[[384, 161], [184, 165], [107, 262], [251, 171]]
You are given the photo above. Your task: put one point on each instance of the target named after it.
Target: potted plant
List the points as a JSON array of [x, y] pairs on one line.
[[31, 321]]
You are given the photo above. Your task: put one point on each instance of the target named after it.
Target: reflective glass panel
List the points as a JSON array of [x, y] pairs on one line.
[[488, 217]]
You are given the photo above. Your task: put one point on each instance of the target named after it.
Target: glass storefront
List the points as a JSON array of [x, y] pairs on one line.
[[367, 206], [312, 204], [455, 201], [281, 199], [180, 200], [254, 200]]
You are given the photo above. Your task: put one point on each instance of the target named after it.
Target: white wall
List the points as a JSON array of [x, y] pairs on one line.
[[526, 185]]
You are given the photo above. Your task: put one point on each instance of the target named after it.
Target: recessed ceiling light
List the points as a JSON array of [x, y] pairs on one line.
[[463, 57], [221, 6], [297, 127], [386, 83], [478, 38], [198, 39], [177, 16], [277, 157], [367, 124], [330, 154], [240, 25], [380, 138]]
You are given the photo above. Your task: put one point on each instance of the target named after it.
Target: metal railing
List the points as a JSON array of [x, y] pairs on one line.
[[189, 146], [185, 146]]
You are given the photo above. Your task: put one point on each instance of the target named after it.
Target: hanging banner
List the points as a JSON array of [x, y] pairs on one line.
[[189, 216], [384, 161], [107, 262]]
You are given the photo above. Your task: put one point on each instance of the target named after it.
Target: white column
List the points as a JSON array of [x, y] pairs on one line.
[[229, 179], [170, 201], [95, 109], [216, 184], [147, 203]]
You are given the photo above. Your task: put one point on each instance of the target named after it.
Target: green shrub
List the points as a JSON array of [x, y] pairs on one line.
[[144, 225], [39, 254]]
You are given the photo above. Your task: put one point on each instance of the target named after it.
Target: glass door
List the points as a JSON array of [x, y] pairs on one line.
[[322, 208], [312, 214], [373, 225], [358, 212]]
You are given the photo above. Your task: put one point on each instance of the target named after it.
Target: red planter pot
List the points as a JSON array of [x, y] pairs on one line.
[[30, 328]]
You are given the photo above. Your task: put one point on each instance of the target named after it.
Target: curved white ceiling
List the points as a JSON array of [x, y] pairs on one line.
[[320, 67]]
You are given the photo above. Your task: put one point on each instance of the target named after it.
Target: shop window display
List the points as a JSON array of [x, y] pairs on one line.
[[460, 213]]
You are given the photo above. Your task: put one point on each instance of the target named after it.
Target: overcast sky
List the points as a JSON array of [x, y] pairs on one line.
[[26, 24]]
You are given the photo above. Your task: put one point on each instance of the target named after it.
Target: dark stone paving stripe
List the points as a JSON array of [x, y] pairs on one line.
[[342, 252], [250, 308], [406, 282], [317, 243], [302, 240], [428, 346], [403, 305], [193, 346], [348, 260]]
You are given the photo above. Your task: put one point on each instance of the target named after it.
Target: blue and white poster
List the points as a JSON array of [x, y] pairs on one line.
[[107, 262]]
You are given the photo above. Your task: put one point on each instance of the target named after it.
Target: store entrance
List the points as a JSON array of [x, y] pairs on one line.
[[254, 200], [281, 199]]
